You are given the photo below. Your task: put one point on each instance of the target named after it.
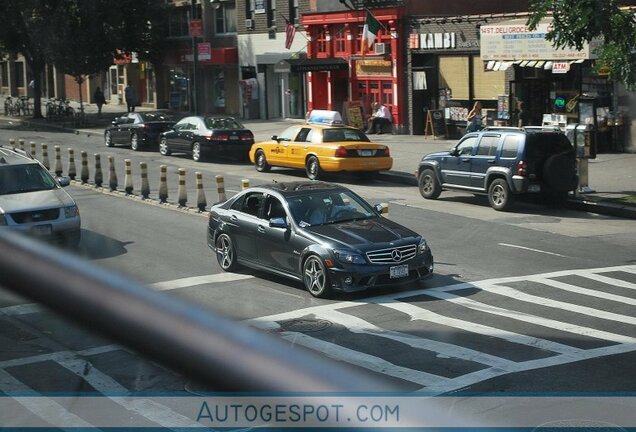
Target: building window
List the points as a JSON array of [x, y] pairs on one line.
[[225, 18], [271, 14], [321, 40], [294, 18], [249, 9], [178, 22], [340, 39]]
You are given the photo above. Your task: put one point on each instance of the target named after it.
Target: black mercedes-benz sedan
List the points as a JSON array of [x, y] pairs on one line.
[[203, 136], [138, 129], [319, 233]]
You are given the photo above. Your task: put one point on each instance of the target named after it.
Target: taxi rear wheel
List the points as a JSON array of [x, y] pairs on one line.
[[261, 162], [313, 168]]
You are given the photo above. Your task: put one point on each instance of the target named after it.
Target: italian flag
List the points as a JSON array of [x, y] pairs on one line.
[[369, 32]]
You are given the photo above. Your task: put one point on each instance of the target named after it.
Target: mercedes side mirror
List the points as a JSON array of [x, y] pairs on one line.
[[278, 222]]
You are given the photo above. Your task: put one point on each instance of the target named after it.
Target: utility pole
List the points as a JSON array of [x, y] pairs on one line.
[[195, 60]]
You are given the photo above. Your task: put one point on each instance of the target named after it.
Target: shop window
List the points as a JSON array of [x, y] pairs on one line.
[[339, 39], [487, 85], [453, 75], [225, 18]]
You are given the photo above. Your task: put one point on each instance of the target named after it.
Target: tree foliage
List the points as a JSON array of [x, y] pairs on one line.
[[575, 22], [80, 37]]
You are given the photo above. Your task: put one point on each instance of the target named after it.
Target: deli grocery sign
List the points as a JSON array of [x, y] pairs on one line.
[[513, 40]]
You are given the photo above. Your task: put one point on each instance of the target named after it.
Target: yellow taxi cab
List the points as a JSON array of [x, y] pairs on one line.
[[323, 144]]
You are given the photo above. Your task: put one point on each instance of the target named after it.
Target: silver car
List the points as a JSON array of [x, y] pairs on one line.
[[33, 201]]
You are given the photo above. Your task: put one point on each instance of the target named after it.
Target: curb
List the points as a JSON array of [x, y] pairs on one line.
[[604, 208]]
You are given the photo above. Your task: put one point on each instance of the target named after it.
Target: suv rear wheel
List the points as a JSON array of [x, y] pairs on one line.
[[499, 195], [429, 185]]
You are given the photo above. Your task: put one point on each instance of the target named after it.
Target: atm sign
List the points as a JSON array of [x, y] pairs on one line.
[[560, 67]]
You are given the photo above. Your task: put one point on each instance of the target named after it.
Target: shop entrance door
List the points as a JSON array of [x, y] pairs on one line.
[[535, 94]]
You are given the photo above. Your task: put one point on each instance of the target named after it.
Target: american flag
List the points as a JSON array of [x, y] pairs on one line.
[[290, 32]]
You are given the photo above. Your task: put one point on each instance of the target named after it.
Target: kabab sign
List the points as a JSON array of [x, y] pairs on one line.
[[513, 40]]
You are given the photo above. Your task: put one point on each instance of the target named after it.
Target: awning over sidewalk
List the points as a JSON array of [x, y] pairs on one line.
[[311, 65]]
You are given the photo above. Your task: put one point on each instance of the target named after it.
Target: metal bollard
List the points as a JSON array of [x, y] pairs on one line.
[[112, 174], [45, 156], [84, 170], [145, 187], [163, 183], [201, 201], [128, 181], [58, 161], [72, 171], [99, 177], [220, 188], [245, 183], [182, 193], [33, 154]]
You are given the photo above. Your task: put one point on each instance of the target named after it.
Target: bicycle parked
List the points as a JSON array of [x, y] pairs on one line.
[[59, 109], [18, 106]]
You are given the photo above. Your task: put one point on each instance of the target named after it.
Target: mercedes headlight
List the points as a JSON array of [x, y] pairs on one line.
[[422, 247], [348, 257], [71, 211]]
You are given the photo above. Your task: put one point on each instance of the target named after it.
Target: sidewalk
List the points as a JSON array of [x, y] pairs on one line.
[[611, 176]]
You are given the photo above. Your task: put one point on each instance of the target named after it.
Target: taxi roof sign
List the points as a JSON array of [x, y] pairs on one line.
[[325, 117]]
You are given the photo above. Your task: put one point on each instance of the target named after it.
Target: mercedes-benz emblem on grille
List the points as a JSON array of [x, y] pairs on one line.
[[396, 255], [37, 215]]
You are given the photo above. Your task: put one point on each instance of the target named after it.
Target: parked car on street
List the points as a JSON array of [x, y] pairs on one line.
[[204, 136], [319, 233], [503, 163], [32, 201], [319, 147], [138, 129]]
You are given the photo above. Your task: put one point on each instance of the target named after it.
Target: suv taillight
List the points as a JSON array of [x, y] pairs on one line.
[[522, 168], [341, 152]]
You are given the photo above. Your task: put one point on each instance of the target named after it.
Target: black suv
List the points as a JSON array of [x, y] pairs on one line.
[[503, 162]]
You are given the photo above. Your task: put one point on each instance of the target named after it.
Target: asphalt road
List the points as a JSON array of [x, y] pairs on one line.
[[536, 300]]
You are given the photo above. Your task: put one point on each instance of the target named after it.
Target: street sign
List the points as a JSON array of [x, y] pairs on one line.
[[196, 27], [204, 51]]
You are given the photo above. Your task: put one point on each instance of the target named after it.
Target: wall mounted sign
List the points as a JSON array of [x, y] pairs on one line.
[[260, 6], [374, 68], [437, 41]]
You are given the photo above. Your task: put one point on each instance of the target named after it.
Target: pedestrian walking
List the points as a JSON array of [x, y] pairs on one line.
[[131, 97], [475, 119], [99, 99], [522, 115]]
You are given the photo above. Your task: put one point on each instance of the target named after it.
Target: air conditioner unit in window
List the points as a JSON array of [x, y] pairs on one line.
[[249, 23], [382, 48]]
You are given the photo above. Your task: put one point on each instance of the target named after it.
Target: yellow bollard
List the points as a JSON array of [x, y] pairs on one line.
[[58, 161], [45, 156], [99, 176], [128, 181], [245, 183], [182, 193], [12, 143], [33, 154], [163, 183], [220, 188], [21, 143], [84, 171], [145, 187], [201, 201], [112, 174], [72, 171]]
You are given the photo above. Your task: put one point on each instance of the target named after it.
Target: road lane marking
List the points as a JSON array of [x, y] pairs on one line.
[[532, 250], [199, 280], [609, 281], [585, 291], [358, 325], [43, 407], [367, 361]]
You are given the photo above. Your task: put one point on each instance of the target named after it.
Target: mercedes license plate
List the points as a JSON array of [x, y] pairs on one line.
[[399, 271], [366, 152], [42, 229], [234, 137]]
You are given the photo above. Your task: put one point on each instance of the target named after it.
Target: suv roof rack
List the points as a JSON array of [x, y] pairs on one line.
[[546, 128], [504, 128]]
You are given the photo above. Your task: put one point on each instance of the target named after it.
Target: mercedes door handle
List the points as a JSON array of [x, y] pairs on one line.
[[491, 162], [261, 229], [465, 160]]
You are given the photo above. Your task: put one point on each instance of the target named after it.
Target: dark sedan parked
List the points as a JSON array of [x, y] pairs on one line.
[[138, 130], [319, 233], [204, 136]]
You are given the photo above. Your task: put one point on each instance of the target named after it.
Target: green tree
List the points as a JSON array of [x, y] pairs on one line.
[[576, 22], [80, 37]]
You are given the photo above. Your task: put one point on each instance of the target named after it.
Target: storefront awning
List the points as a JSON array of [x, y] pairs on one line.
[[508, 41], [311, 65]]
